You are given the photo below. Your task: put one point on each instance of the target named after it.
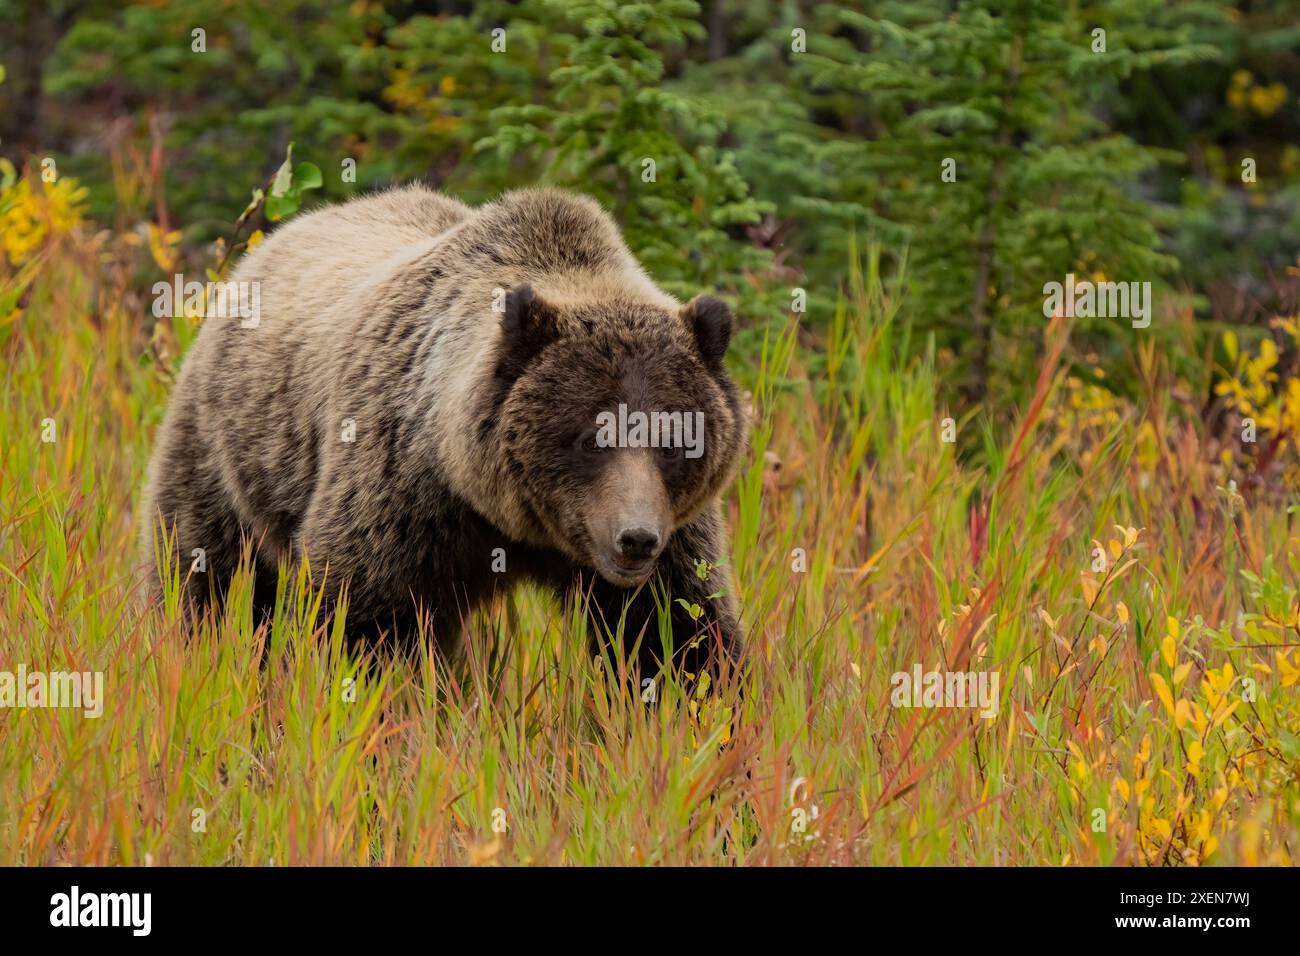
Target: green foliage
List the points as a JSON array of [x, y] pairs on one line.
[[267, 74], [780, 132], [288, 186], [996, 96]]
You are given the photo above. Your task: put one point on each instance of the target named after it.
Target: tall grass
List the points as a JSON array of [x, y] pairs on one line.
[[1147, 710]]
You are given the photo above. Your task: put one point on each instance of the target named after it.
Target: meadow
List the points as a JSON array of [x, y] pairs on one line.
[[1105, 558]]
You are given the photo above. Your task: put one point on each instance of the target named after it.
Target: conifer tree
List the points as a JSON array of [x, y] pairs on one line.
[[986, 152]]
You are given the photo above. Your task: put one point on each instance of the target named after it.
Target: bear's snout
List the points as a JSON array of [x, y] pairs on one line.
[[638, 544], [629, 518]]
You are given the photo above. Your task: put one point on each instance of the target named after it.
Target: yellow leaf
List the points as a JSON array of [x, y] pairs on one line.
[[1226, 713], [1203, 821], [1168, 650], [1162, 691], [1089, 584], [1290, 674], [1194, 754], [1199, 720]]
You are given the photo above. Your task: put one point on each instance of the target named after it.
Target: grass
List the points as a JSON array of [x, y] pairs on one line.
[[1147, 706]]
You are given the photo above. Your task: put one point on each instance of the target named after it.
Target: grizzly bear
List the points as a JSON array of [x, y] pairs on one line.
[[422, 409]]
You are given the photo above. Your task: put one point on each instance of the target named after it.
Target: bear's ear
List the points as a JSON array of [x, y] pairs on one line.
[[710, 319], [528, 326]]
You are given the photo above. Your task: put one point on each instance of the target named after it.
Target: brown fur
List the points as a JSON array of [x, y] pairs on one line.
[[468, 421]]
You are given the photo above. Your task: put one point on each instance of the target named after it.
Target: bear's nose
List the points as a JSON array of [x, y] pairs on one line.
[[637, 543]]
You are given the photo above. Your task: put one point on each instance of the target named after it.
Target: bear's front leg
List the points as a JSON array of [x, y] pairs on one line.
[[690, 574]]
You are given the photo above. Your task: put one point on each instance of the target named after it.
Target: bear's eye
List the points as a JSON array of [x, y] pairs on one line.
[[589, 443], [669, 452]]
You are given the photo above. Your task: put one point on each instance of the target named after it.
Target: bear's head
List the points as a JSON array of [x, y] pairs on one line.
[[619, 422]]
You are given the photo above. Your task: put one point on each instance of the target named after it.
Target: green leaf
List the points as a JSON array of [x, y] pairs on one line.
[[277, 207], [307, 176]]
